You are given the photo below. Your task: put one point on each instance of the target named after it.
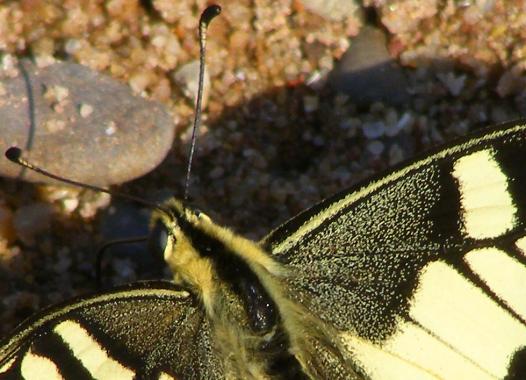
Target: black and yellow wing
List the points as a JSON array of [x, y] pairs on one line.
[[149, 330], [423, 270]]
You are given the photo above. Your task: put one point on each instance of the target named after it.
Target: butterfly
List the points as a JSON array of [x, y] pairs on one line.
[[417, 273]]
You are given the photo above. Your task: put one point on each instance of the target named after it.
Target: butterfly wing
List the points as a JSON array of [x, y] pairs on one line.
[[423, 271], [144, 330]]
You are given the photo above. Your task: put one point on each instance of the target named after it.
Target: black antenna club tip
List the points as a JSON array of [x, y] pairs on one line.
[[13, 154], [209, 13]]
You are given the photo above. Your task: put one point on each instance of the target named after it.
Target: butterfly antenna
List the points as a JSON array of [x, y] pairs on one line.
[[14, 154], [207, 16]]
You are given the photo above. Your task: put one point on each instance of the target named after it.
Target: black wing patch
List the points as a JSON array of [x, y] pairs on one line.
[[362, 259], [143, 330]]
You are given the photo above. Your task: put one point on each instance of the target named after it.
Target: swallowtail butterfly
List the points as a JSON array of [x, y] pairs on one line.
[[416, 274]]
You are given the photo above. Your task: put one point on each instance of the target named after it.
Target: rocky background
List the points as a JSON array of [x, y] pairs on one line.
[[304, 99]]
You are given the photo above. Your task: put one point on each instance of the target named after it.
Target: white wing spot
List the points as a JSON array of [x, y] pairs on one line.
[[165, 376], [503, 274], [463, 316], [36, 367], [380, 363], [413, 353], [90, 353], [521, 244], [488, 209]]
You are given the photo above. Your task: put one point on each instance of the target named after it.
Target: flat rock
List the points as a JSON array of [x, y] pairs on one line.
[[80, 124]]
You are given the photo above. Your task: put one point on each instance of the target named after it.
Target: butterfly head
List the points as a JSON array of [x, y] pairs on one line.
[[205, 256], [177, 237]]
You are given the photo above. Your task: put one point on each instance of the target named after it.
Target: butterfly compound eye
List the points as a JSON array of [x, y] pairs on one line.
[[158, 240]]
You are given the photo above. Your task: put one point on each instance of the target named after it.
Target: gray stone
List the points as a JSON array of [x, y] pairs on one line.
[[80, 124], [367, 73], [31, 220], [187, 78]]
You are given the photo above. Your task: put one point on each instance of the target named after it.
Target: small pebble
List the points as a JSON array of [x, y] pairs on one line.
[[396, 154], [335, 10], [454, 83], [70, 205], [85, 110], [375, 147], [512, 81], [310, 103], [187, 77], [111, 128], [125, 269], [216, 172], [63, 263], [56, 94], [31, 220], [373, 130]]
